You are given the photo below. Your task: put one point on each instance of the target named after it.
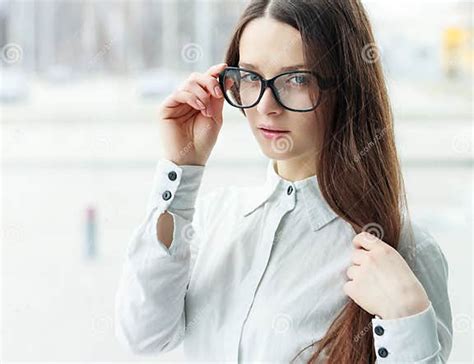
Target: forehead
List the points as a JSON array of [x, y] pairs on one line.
[[270, 45]]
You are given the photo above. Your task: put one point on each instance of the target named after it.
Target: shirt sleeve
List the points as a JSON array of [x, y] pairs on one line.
[[425, 337], [149, 303]]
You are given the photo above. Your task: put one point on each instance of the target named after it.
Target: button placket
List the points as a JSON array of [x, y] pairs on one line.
[[264, 252], [290, 196], [382, 351]]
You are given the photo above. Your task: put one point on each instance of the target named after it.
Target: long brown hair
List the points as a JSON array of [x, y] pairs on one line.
[[358, 169]]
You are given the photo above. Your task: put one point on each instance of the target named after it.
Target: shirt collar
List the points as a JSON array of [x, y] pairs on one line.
[[307, 190]]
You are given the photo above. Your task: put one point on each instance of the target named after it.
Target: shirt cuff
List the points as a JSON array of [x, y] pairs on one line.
[[407, 339], [175, 187]]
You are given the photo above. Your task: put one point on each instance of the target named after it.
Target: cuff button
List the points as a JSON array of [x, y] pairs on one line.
[[172, 175], [383, 352], [166, 195], [379, 330]]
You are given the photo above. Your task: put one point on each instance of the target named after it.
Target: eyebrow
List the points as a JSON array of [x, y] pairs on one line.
[[287, 68]]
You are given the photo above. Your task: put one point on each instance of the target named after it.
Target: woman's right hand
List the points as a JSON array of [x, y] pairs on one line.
[[191, 117]]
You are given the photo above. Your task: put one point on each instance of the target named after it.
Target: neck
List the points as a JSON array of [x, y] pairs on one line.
[[298, 168]]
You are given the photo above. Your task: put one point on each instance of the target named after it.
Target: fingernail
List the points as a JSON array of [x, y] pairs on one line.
[[200, 104], [218, 91]]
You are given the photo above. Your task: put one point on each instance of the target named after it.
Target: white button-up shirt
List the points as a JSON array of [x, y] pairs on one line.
[[256, 274]]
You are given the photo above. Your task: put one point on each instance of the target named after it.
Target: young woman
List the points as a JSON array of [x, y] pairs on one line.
[[318, 264]]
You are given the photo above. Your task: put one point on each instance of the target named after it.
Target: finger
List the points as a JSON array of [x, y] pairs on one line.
[[203, 93], [229, 83], [182, 97], [216, 69], [212, 87], [365, 240], [229, 86], [359, 256], [210, 84], [353, 271], [197, 90], [217, 108]]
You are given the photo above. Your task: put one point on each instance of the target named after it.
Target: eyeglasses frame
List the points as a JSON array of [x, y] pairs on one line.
[[323, 84]]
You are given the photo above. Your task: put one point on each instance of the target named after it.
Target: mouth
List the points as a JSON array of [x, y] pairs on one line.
[[272, 133]]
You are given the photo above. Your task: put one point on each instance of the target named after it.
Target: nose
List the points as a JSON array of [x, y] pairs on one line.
[[268, 104]]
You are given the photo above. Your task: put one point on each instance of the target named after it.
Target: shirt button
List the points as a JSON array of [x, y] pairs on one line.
[[379, 330], [166, 195], [383, 352], [289, 190], [172, 175]]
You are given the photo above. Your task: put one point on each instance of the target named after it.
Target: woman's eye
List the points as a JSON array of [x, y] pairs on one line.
[[299, 80], [250, 78]]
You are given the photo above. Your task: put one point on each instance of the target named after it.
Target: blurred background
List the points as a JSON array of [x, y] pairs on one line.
[[80, 85]]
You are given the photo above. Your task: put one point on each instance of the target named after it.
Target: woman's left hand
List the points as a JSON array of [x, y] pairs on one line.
[[381, 282]]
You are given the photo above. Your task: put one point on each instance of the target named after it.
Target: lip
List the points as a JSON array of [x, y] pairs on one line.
[[271, 128], [272, 133]]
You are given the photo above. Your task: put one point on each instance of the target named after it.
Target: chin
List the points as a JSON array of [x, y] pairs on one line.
[[280, 148], [274, 154]]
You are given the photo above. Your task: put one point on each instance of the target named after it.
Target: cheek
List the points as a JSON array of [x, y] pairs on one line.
[[305, 131], [253, 122], [308, 127], [251, 116]]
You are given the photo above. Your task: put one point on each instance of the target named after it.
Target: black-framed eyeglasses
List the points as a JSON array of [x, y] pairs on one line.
[[298, 91]]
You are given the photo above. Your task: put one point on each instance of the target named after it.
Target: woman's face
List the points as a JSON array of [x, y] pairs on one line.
[[270, 47]]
